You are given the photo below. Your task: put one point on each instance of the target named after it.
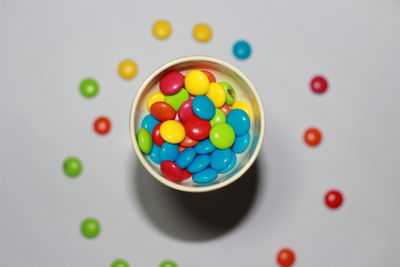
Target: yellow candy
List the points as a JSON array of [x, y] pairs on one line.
[[162, 29], [243, 106], [196, 82], [127, 69], [172, 131], [217, 94], [202, 33], [156, 97]]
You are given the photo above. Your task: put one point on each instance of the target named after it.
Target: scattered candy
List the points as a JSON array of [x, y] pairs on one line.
[[72, 167], [168, 152], [217, 94], [144, 141], [149, 122], [171, 171], [230, 93], [203, 107], [241, 143], [220, 158], [319, 85], [218, 117], [177, 99], [186, 157], [119, 263], [162, 111], [197, 128], [172, 131], [205, 176], [199, 163], [168, 263], [171, 83], [162, 29], [285, 257], [241, 50], [239, 121], [204, 147], [127, 69], [210, 76], [156, 97], [312, 137], [102, 125], [89, 88], [243, 106], [155, 154], [196, 82], [333, 199], [202, 33], [222, 135], [230, 165], [90, 228]]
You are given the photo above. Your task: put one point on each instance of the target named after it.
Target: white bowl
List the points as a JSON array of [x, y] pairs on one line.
[[245, 91]]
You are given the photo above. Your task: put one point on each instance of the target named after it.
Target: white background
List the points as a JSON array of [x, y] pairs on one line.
[[48, 47]]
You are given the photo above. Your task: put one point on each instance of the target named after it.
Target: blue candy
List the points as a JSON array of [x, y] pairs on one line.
[[149, 122], [186, 157], [155, 154], [241, 50], [239, 120], [204, 147], [220, 158], [230, 165], [168, 152], [203, 107], [199, 163], [241, 143], [205, 176]]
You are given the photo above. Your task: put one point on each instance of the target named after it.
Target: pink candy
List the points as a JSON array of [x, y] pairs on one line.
[[185, 111], [171, 83]]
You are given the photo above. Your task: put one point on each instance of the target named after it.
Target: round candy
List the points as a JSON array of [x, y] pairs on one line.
[[102, 125], [216, 93], [222, 135], [230, 165], [162, 29], [156, 136], [155, 154], [333, 199], [72, 167], [177, 99], [188, 142], [127, 69], [312, 137], [203, 107], [206, 176], [218, 117], [230, 93], [196, 82], [168, 263], [89, 88], [149, 122], [156, 97], [285, 257], [186, 174], [202, 33], [241, 143], [172, 131], [162, 111], [241, 50], [199, 163], [204, 147], [239, 121], [210, 76], [220, 158], [186, 157], [243, 106], [90, 227], [119, 263], [168, 152], [185, 111], [181, 148], [319, 84], [171, 83], [197, 128], [226, 109], [171, 171], [144, 141]]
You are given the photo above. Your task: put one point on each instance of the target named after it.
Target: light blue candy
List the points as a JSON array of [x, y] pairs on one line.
[[168, 152], [241, 143], [205, 176], [241, 49], [149, 122], [220, 158], [199, 163], [203, 107], [204, 147], [155, 154], [239, 120], [186, 157], [230, 165]]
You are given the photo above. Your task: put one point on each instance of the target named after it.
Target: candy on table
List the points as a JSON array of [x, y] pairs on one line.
[[172, 131], [144, 141], [72, 167], [120, 263], [286, 257], [102, 125], [196, 82], [156, 136], [241, 50], [333, 199], [319, 84], [90, 228], [177, 99], [218, 117], [171, 83], [230, 93], [239, 120], [312, 136], [127, 69], [202, 32], [156, 97], [162, 111], [162, 29], [89, 88], [210, 76], [168, 263], [243, 106], [217, 94]]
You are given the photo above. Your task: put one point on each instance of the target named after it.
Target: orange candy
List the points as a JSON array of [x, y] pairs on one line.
[[210, 76], [286, 257], [162, 111], [188, 142], [312, 137], [226, 109]]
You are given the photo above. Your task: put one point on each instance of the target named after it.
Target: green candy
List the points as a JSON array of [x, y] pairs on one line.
[[230, 93], [218, 117], [72, 167], [144, 141], [90, 228], [222, 135], [168, 263], [89, 88], [177, 99], [120, 263]]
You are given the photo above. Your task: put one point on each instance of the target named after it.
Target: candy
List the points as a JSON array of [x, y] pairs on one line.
[[285, 257], [168, 263], [241, 143], [102, 125], [149, 122], [177, 99], [181, 148], [119, 263], [162, 111], [185, 111], [319, 85], [127, 69], [243, 106], [218, 117], [156, 97], [171, 171], [202, 32], [241, 50], [226, 109], [186, 174], [216, 93], [230, 93], [72, 167], [186, 157], [168, 152], [206, 176], [171, 83], [239, 121], [210, 76], [155, 154], [220, 158], [172, 131], [188, 142], [144, 141], [222, 135], [333, 199], [203, 107], [199, 163], [196, 82], [197, 128], [90, 227], [156, 136], [204, 147], [230, 165], [312, 137], [162, 29], [89, 88]]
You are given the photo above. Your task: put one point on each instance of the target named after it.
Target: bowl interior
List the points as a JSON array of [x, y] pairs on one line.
[[245, 92]]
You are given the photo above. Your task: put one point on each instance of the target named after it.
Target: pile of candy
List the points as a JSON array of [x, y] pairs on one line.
[[196, 126]]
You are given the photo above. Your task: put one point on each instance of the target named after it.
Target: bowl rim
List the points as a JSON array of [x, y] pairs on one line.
[[149, 168]]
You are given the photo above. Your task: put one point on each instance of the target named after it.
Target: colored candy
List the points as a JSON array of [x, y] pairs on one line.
[[156, 136], [230, 165], [186, 157], [222, 136], [119, 263], [199, 163], [203, 107], [226, 109], [155, 154], [239, 121], [186, 174], [197, 128], [312, 137], [177, 99], [144, 141], [90, 228], [72, 167], [168, 263], [149, 122], [243, 106], [156, 97], [185, 111], [204, 147], [188, 142], [319, 85], [218, 117], [333, 199], [171, 83], [162, 111], [202, 33], [285, 257], [162, 29], [220, 158], [181, 148], [89, 88], [210, 76], [230, 93], [168, 152], [216, 93], [127, 69], [196, 82], [241, 143], [172, 131], [102, 125], [206, 176], [171, 171], [241, 50]]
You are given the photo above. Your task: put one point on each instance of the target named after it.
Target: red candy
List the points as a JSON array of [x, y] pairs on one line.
[[188, 142], [333, 199], [185, 111], [319, 84], [197, 128], [312, 137], [210, 76], [171, 83], [226, 109], [156, 136], [102, 125], [181, 148], [285, 257], [171, 171], [186, 174], [162, 111]]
